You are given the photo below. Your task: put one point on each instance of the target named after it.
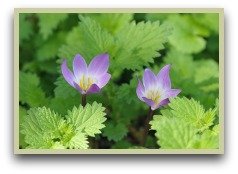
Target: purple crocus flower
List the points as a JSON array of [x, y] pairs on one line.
[[156, 89], [87, 79]]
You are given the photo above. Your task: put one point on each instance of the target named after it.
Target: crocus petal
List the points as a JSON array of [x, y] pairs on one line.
[[79, 66], [78, 88], [103, 80], [162, 103], [172, 93], [163, 77], [149, 79], [99, 65], [140, 90], [93, 89], [149, 102], [68, 75]]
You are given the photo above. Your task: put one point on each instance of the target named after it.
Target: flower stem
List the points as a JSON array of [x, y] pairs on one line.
[[147, 126], [84, 99]]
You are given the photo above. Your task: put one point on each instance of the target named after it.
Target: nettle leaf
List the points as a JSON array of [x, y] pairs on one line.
[[114, 131], [207, 140], [138, 44], [45, 129], [187, 36], [78, 141], [185, 125], [22, 115], [174, 133], [88, 119], [29, 90], [192, 112], [112, 22], [88, 39], [40, 127], [48, 22]]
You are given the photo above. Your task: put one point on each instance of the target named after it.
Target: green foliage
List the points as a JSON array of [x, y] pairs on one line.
[[87, 120], [139, 44], [30, 92], [45, 129], [25, 27], [49, 111], [185, 125], [115, 132], [49, 22]]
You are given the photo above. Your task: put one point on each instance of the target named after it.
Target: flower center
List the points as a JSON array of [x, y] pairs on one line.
[[85, 82], [154, 95]]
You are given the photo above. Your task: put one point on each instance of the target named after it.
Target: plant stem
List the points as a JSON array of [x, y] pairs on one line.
[[84, 100], [147, 126]]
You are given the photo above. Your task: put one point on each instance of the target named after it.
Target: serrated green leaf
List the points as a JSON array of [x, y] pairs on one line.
[[88, 119], [138, 44], [174, 133], [192, 112], [40, 127], [112, 22], [207, 140], [88, 39], [48, 22], [22, 115], [78, 141], [114, 131], [29, 90]]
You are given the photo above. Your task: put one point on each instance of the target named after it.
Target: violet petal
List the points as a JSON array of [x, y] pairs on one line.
[[172, 93], [162, 103], [78, 88], [99, 65], [67, 74], [103, 80], [140, 90], [79, 66], [163, 77], [93, 89], [149, 79], [149, 102]]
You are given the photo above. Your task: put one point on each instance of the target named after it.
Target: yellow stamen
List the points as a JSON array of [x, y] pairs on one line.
[[154, 95], [85, 82]]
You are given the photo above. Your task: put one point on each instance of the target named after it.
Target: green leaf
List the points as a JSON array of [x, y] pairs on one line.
[[40, 128], [78, 141], [48, 22], [29, 90], [88, 119], [88, 39], [174, 133], [45, 129], [207, 140], [138, 44], [114, 131], [22, 115], [209, 20], [187, 36], [112, 22], [192, 112], [49, 49]]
